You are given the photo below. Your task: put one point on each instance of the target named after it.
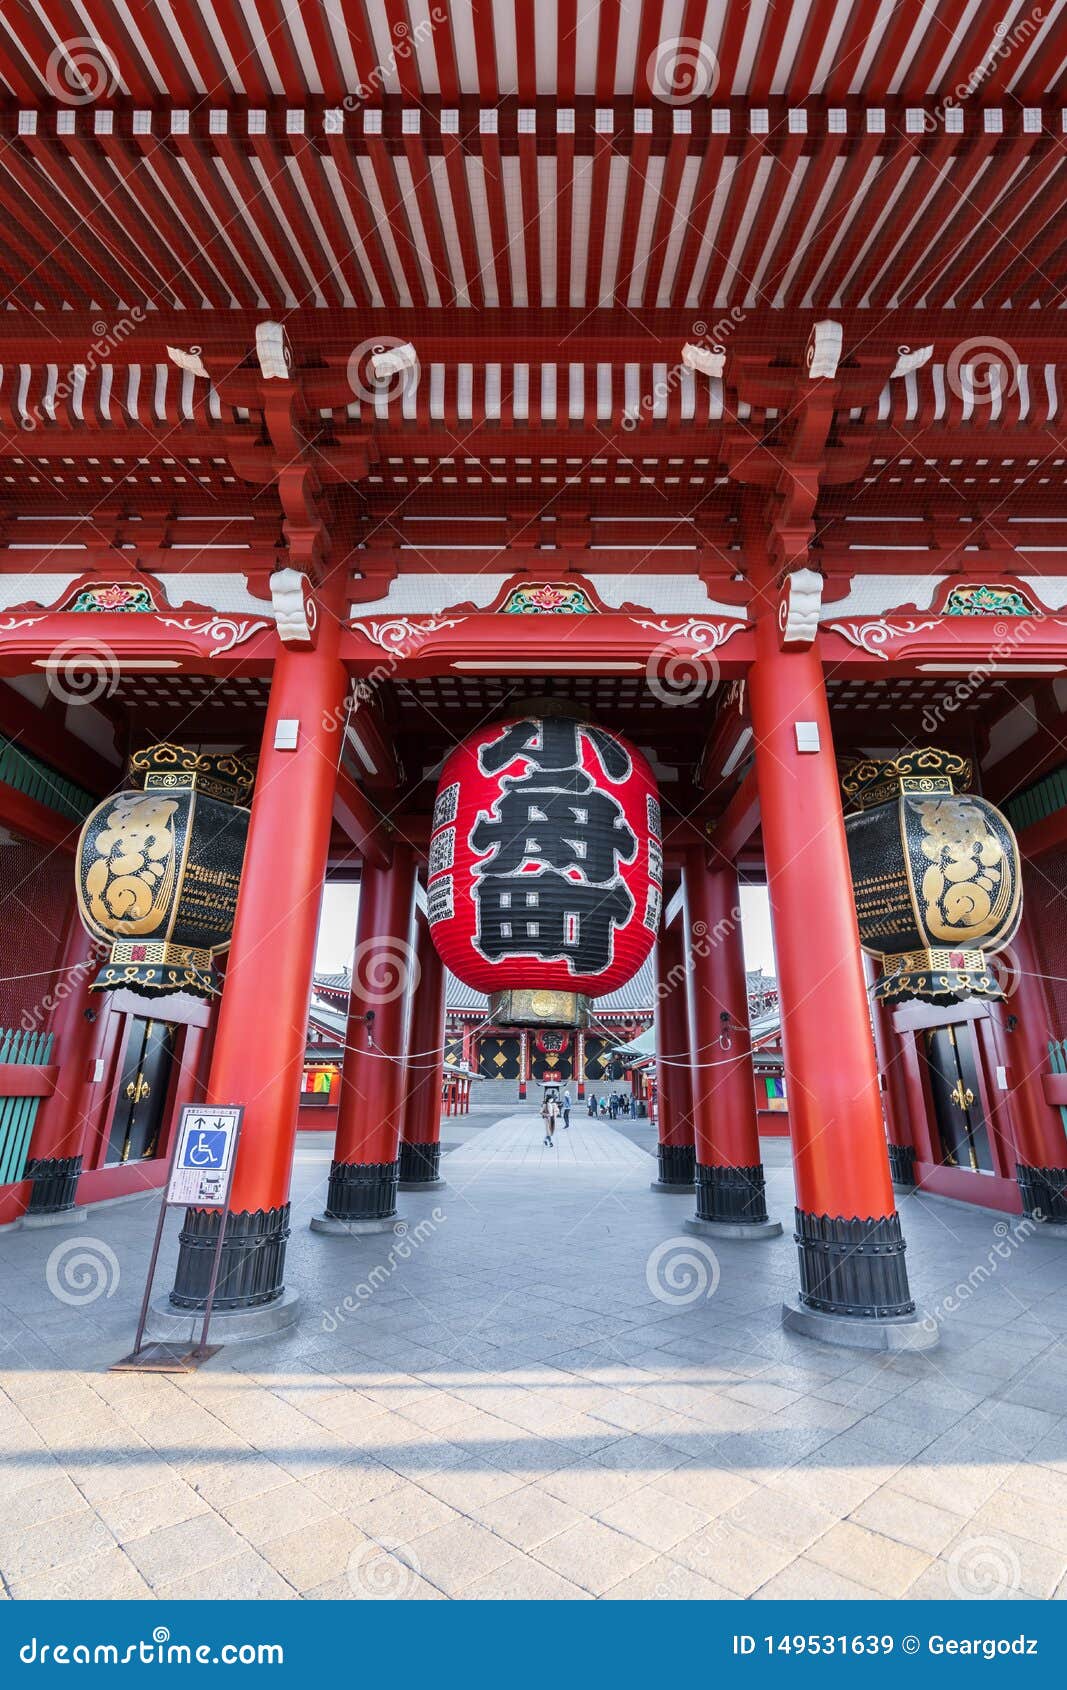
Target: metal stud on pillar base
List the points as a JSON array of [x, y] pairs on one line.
[[252, 1269], [902, 1166], [54, 1185], [361, 1198], [676, 1165], [420, 1167], [1044, 1195], [854, 1285], [731, 1203], [251, 1299]]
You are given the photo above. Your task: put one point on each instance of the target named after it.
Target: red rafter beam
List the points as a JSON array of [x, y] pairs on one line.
[[357, 818], [738, 821]]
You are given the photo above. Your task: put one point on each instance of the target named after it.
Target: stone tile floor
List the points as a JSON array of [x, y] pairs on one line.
[[543, 1389]]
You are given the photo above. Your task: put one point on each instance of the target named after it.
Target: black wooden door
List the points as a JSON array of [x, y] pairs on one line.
[[142, 1092], [957, 1097]]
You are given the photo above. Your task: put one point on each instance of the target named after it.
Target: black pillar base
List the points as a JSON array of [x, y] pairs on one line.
[[1044, 1192], [730, 1194], [902, 1165], [420, 1164], [362, 1191], [251, 1271], [55, 1182], [853, 1267], [676, 1164]]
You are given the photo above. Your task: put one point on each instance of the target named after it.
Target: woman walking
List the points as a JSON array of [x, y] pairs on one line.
[[550, 1109]]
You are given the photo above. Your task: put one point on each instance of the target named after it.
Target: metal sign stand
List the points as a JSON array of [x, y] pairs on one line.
[[199, 1176]]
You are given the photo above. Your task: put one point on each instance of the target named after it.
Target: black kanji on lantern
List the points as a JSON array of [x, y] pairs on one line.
[[551, 886]]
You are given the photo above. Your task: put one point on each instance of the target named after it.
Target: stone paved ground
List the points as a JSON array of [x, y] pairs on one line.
[[552, 1392]]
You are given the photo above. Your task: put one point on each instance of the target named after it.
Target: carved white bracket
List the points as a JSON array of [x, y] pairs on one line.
[[274, 352], [908, 361], [402, 635], [189, 361], [394, 360], [824, 350], [799, 607], [704, 634], [873, 636], [226, 631], [295, 609], [707, 360]]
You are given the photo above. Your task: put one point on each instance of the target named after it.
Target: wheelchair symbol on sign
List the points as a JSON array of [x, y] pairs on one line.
[[205, 1148]]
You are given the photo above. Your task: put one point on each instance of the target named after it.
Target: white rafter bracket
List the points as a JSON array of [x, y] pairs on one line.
[[188, 359], [295, 610], [706, 360], [908, 361], [274, 352], [394, 361], [824, 350], [799, 607]]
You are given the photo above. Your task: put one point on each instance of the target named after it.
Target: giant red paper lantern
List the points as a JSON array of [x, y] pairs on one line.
[[546, 866]]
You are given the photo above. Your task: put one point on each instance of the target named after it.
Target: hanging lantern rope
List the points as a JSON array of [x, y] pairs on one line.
[[411, 1058]]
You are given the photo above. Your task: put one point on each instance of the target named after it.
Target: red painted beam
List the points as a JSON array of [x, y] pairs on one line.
[[1050, 834], [738, 821], [36, 821], [19, 1079], [360, 821]]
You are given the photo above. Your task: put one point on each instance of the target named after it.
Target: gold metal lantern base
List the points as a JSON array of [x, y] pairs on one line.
[[538, 1008], [937, 976], [157, 968]]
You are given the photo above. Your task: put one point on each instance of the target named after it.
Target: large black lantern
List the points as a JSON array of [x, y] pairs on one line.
[[935, 876], [158, 870]]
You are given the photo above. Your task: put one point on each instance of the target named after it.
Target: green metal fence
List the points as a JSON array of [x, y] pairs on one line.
[[1042, 799], [17, 1114], [29, 775], [1057, 1055]]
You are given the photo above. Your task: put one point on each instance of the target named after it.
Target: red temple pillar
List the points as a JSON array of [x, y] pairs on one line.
[[853, 1279], [675, 1113], [731, 1200], [57, 1149], [893, 1081], [1040, 1145], [258, 1054], [420, 1147], [365, 1173]]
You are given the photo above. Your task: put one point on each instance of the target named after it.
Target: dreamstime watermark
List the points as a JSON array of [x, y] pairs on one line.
[[1009, 639], [1007, 40], [1006, 970], [983, 371], [371, 389], [1009, 1239], [81, 1271], [984, 1567], [386, 1572], [405, 1244], [682, 70], [69, 984], [678, 677], [81, 671], [384, 968], [702, 940], [682, 1271], [660, 391], [71, 385], [81, 70], [403, 41], [155, 1651]]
